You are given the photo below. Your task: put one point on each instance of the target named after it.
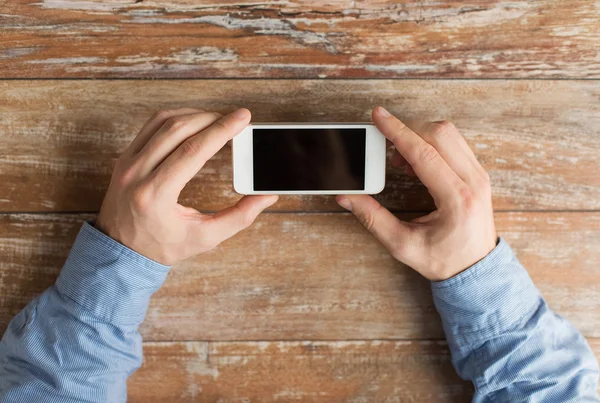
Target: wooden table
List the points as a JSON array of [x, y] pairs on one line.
[[305, 306]]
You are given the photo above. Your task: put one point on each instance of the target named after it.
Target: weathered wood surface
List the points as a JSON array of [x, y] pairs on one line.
[[299, 38], [307, 371], [309, 276], [538, 139], [343, 322]]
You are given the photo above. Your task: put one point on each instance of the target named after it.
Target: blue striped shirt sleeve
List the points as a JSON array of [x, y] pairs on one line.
[[505, 339], [79, 340]]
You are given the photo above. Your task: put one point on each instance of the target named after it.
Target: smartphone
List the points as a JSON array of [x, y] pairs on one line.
[[308, 158]]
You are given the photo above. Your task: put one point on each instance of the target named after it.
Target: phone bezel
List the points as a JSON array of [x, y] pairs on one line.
[[375, 156]]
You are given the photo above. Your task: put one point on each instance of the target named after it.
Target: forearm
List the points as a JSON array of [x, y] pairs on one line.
[[78, 341], [505, 339]]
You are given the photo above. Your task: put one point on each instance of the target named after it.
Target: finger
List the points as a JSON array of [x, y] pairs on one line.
[[185, 162], [441, 181], [462, 141], [172, 133], [390, 231], [470, 152], [452, 147], [228, 222], [152, 125]]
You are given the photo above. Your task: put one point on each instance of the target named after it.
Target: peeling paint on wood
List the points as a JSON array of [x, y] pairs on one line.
[[301, 38], [538, 139], [330, 291]]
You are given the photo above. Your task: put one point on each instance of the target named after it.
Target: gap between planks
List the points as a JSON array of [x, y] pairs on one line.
[[295, 78]]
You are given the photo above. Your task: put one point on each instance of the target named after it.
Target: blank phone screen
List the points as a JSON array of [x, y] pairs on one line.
[[309, 159]]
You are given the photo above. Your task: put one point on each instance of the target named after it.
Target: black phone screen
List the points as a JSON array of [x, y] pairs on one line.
[[309, 159]]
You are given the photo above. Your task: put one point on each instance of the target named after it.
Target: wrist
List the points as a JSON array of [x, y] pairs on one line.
[[102, 225], [121, 235], [473, 259]]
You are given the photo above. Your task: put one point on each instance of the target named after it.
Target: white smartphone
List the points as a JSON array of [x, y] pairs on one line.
[[309, 158]]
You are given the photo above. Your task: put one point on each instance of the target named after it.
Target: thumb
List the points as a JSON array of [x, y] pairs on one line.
[[228, 222], [386, 227]]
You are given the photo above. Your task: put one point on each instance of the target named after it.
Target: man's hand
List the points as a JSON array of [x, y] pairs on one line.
[[461, 231], [140, 209]]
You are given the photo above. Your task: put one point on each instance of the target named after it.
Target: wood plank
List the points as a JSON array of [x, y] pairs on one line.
[[310, 276], [307, 371], [299, 38], [538, 139]]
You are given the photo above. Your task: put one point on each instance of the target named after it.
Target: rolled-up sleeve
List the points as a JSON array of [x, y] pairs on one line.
[[78, 341], [505, 339]]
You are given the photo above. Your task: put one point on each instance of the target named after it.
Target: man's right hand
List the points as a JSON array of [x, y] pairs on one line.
[[461, 231]]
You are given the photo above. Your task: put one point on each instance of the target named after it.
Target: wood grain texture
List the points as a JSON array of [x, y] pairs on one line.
[[299, 38], [538, 139], [310, 276], [307, 371]]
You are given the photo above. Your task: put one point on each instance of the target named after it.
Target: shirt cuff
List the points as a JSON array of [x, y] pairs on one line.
[[108, 279], [492, 296]]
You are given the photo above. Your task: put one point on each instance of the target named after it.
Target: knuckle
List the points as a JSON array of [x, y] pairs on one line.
[[443, 130], [220, 123], [142, 199], [162, 114], [247, 220], [190, 148], [447, 125], [486, 177], [125, 176], [368, 219], [427, 154], [175, 123], [213, 117], [397, 125], [466, 198], [124, 171]]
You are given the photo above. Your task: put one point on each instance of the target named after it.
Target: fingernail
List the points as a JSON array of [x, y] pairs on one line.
[[241, 114], [345, 203], [382, 112]]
